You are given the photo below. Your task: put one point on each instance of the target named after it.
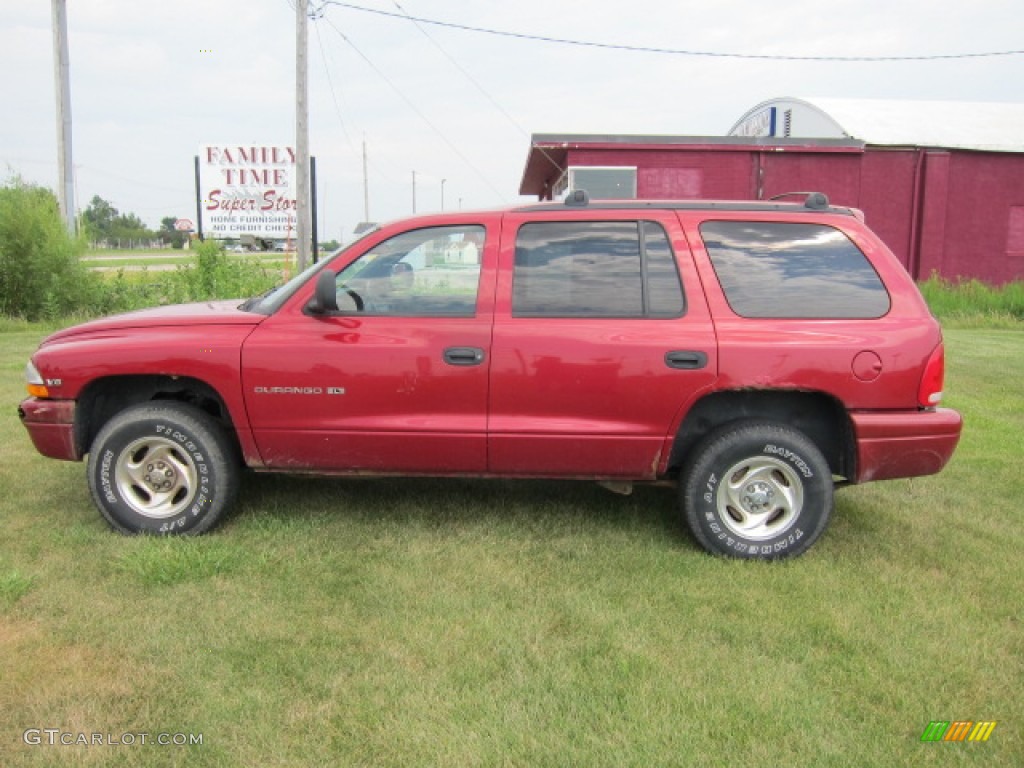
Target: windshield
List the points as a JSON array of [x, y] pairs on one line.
[[268, 303]]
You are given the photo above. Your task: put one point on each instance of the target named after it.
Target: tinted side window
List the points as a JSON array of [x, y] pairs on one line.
[[595, 269], [787, 270], [666, 294]]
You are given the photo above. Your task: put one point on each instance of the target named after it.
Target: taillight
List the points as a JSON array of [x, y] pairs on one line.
[[929, 393]]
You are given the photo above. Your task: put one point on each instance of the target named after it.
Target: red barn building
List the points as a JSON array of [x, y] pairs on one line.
[[942, 183]]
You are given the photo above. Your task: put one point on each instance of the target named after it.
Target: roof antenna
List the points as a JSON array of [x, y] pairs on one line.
[[815, 201]]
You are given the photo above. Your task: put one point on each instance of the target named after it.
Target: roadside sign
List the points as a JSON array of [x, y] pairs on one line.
[[183, 225], [246, 190]]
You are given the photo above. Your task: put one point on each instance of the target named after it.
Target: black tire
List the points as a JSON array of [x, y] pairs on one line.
[[163, 468], [757, 490]]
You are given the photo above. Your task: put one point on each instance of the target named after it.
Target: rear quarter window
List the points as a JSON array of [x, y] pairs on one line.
[[793, 270]]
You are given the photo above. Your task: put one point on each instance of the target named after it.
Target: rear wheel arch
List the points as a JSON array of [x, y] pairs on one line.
[[820, 417]]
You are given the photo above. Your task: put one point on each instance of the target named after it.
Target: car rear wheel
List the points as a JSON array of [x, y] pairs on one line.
[[757, 490], [163, 468]]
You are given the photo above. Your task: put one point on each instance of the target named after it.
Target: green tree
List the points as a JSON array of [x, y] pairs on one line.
[[98, 218], [102, 221], [169, 235], [128, 226]]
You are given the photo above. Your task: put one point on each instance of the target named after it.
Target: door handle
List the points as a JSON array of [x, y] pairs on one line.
[[686, 360], [463, 356]]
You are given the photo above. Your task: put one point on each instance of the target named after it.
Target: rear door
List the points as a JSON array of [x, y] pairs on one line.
[[397, 380], [602, 339]]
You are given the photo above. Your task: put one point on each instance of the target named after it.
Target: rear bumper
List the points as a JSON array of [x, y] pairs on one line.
[[904, 444], [51, 426]]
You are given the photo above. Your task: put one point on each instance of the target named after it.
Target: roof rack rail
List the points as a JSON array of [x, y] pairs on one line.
[[815, 201]]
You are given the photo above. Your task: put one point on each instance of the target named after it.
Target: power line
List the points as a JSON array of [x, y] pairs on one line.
[[418, 112], [330, 85], [475, 83], [102, 172], [389, 176], [669, 51], [461, 69]]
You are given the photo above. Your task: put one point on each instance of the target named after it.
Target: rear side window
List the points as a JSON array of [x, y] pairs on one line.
[[595, 269], [788, 270]]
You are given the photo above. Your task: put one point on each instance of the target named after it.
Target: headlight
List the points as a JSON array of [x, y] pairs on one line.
[[34, 382]]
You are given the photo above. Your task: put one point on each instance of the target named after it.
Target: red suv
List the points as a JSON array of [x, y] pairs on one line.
[[755, 354]]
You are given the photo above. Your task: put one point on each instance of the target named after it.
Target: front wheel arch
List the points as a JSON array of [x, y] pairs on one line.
[[103, 399]]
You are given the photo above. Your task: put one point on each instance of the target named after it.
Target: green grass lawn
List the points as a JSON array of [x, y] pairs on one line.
[[474, 623]]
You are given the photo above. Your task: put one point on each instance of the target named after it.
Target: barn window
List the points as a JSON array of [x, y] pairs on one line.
[[602, 183]]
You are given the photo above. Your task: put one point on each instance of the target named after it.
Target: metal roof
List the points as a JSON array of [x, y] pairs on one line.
[[984, 126], [851, 124]]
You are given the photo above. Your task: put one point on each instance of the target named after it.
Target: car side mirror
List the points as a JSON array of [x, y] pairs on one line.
[[326, 297]]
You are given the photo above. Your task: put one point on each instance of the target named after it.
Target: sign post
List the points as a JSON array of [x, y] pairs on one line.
[[199, 203]]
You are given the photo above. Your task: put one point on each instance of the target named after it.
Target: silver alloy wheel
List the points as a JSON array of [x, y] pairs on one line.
[[155, 477], [760, 497]]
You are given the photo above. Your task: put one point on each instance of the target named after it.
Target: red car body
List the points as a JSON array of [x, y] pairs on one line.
[[579, 397]]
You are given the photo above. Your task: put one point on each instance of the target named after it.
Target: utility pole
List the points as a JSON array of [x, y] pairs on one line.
[[62, 66], [303, 223], [414, 191]]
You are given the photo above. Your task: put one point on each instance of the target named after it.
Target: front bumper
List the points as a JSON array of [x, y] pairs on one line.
[[51, 426], [904, 444]]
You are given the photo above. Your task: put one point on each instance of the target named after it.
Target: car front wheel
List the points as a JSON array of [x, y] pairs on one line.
[[162, 468]]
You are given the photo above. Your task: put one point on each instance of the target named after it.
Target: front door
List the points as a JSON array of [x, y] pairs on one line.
[[396, 381]]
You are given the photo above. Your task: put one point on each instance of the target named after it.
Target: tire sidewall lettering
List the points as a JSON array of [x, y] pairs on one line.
[[106, 485], [790, 457], [710, 486], [724, 450], [205, 451]]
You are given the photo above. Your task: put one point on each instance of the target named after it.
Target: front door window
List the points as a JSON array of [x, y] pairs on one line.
[[432, 272]]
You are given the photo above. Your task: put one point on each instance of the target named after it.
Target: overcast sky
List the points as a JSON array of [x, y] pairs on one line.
[[151, 81]]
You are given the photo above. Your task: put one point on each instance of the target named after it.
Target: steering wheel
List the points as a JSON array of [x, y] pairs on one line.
[[356, 298]]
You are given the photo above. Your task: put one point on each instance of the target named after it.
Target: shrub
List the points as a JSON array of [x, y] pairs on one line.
[[216, 275], [974, 303], [41, 276]]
